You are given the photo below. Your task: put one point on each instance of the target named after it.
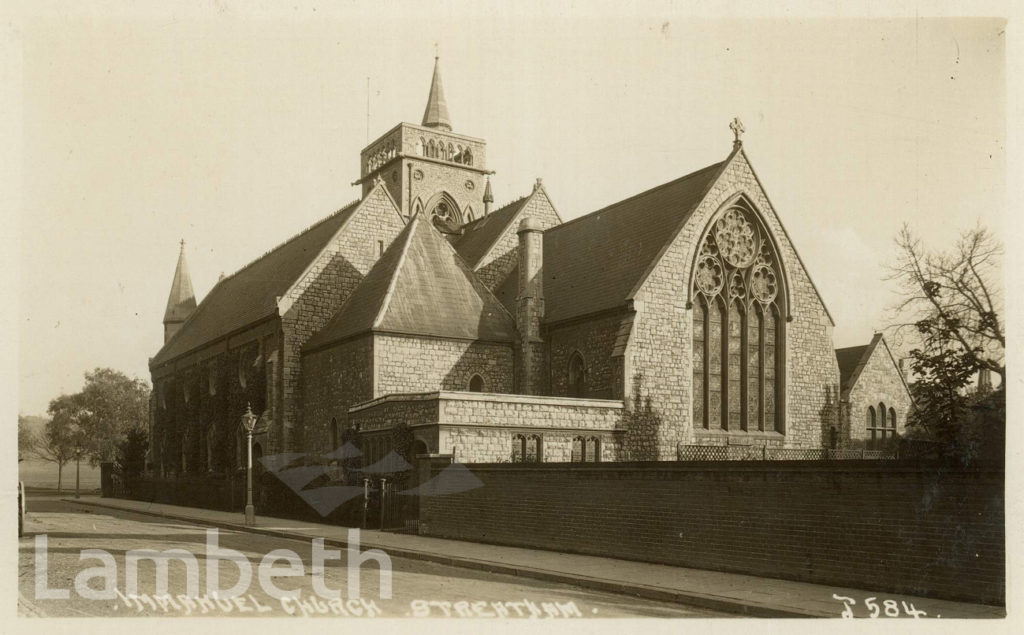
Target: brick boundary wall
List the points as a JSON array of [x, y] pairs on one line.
[[884, 527]]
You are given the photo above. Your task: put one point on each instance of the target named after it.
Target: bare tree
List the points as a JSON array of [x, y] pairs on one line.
[[952, 306], [953, 299]]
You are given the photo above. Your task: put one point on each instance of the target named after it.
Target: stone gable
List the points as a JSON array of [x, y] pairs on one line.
[[878, 383], [659, 355], [322, 290], [494, 268]]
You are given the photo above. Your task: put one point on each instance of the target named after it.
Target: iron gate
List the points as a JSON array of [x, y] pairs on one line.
[[382, 506]]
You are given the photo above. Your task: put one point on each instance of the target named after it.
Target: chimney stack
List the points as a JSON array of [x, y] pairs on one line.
[[530, 306]]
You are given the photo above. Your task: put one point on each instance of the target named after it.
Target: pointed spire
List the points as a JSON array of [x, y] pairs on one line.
[[488, 197], [182, 300], [436, 114]]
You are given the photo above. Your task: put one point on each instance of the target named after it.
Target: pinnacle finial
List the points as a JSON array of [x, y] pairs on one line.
[[436, 114], [737, 130]]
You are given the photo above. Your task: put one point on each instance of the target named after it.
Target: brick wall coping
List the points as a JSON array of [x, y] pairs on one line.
[[445, 395], [831, 467]]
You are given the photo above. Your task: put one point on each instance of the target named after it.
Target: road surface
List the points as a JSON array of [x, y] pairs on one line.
[[419, 589]]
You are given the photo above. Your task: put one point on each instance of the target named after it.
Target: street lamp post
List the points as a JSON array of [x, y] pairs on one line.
[[78, 470], [249, 421]]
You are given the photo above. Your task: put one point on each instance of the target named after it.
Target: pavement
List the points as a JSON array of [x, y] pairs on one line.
[[734, 593]]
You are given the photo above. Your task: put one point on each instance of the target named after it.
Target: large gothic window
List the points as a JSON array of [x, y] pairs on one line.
[[737, 330]]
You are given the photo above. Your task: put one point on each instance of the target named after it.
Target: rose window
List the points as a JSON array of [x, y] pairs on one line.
[[709, 275], [736, 238], [763, 285]]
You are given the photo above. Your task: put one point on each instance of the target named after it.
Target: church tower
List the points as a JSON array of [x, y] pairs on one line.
[[428, 168], [182, 300]]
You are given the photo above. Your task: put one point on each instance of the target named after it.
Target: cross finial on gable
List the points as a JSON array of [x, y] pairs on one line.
[[737, 130]]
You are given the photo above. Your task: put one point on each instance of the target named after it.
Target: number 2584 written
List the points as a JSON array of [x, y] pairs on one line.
[[879, 608]]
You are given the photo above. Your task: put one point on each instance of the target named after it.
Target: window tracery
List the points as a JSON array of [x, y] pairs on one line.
[[736, 330]]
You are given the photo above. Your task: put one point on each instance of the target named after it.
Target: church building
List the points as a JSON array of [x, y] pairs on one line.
[[682, 315]]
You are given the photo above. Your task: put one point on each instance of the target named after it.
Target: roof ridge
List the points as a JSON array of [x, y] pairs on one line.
[[386, 303], [500, 209], [290, 239], [850, 348], [644, 193]]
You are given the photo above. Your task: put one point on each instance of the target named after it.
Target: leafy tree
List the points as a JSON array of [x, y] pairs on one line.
[[113, 405], [131, 452], [952, 308], [63, 438], [28, 440]]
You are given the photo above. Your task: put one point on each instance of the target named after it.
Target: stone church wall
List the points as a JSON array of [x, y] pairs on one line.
[[425, 364], [878, 382], [336, 378], [321, 292], [594, 338], [478, 427], [659, 351], [443, 177], [494, 268]]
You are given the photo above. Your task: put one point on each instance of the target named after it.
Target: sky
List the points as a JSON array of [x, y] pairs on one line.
[[235, 131]]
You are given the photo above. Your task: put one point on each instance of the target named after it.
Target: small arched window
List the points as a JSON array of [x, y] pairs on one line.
[[467, 157], [892, 417], [527, 449], [577, 375], [577, 450], [431, 149], [534, 449], [419, 147], [871, 417], [881, 414], [450, 154], [476, 384], [518, 448]]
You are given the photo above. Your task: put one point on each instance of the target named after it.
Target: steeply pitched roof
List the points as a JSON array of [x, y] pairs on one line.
[[436, 113], [851, 360], [478, 236], [420, 286], [182, 299], [251, 293], [592, 263]]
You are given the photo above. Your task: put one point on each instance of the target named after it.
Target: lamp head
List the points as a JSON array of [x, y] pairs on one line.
[[249, 419]]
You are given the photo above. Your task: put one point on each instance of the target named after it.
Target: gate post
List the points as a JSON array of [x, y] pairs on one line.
[[107, 479]]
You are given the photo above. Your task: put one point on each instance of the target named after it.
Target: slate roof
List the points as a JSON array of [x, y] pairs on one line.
[[420, 286], [251, 293], [592, 263], [849, 359], [478, 236], [182, 299]]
